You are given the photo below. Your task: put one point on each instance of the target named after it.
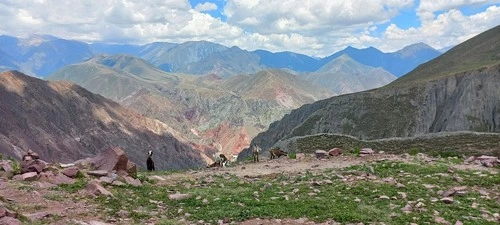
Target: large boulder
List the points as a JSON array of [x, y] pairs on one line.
[[114, 159]]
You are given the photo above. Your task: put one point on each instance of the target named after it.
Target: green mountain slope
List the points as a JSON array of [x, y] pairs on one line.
[[457, 91], [482, 51]]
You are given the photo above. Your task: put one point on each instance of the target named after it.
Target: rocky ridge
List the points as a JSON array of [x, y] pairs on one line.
[[63, 122]]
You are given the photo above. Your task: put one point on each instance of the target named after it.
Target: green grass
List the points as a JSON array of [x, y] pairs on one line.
[[72, 188], [235, 200], [16, 167], [413, 151], [476, 53], [449, 145]]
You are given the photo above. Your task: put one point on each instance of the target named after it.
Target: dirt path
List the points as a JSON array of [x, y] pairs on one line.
[[280, 166], [293, 166]]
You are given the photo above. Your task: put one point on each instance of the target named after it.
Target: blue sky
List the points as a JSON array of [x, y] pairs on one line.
[[312, 27], [217, 13]]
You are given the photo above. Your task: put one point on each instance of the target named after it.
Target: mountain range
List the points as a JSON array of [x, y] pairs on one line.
[[41, 55], [458, 91], [218, 98], [344, 75], [206, 109]]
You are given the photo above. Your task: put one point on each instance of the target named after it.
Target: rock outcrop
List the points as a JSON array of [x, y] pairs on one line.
[[114, 159], [110, 167]]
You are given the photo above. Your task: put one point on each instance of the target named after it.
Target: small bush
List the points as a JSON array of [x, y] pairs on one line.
[[79, 175], [143, 178], [16, 167], [355, 151], [413, 151], [292, 155]]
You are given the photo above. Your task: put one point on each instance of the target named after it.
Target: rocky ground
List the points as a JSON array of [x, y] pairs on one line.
[[92, 192]]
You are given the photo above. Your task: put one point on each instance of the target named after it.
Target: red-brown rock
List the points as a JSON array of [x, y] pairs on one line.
[[61, 179], [6, 212], [9, 221], [113, 159], [335, 152], [71, 171], [132, 181], [131, 168], [30, 176], [95, 188], [6, 166], [33, 166], [33, 154]]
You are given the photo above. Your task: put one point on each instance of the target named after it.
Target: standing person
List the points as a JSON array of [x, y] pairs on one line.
[[149, 162], [255, 152]]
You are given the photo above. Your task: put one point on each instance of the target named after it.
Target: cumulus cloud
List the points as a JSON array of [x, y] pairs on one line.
[[447, 29], [427, 8], [309, 17], [433, 5], [313, 27], [205, 7]]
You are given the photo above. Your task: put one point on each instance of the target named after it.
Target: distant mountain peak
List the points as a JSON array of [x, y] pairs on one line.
[[344, 57], [343, 61], [417, 46], [36, 39]]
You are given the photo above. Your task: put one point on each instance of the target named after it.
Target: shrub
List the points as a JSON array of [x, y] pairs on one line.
[[413, 151], [16, 167], [355, 151]]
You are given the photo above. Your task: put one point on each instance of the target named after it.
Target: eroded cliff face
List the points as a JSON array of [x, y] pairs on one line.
[[64, 122], [467, 101]]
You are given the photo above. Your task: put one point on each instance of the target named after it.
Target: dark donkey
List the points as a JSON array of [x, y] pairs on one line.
[[276, 152]]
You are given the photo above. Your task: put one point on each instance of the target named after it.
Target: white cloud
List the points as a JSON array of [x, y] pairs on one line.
[[308, 17], [433, 5], [314, 27], [205, 7], [427, 8], [447, 29]]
